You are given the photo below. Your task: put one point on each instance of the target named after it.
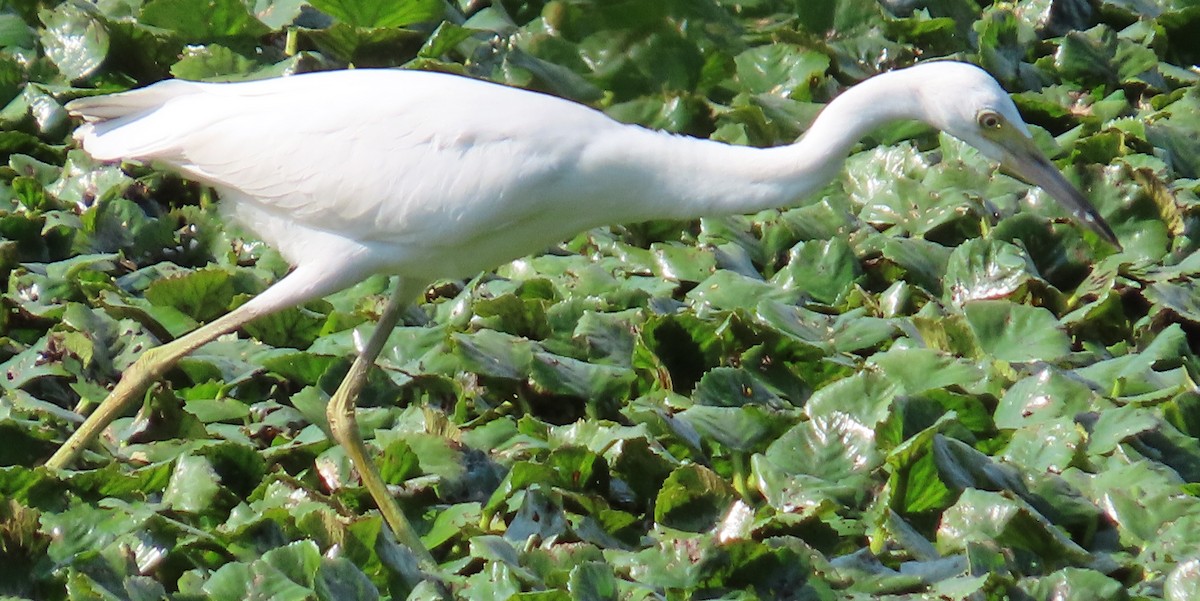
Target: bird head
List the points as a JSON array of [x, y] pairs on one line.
[[967, 103]]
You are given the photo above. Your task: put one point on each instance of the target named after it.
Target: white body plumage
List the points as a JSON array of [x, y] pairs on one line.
[[429, 175]]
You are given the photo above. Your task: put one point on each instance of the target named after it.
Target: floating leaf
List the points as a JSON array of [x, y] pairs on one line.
[[692, 498], [74, 39], [380, 14], [780, 69], [985, 516], [825, 271], [194, 485], [983, 269], [197, 20], [1012, 332]]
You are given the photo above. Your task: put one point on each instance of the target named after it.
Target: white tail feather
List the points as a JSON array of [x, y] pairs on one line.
[[131, 125]]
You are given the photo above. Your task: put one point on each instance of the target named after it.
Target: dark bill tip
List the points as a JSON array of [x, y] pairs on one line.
[[1036, 169]]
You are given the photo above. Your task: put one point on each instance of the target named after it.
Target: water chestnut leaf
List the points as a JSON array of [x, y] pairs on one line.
[[74, 39], [593, 581], [983, 516], [984, 269], [306, 368], [497, 549], [390, 13], [1011, 332], [1076, 584], [563, 375], [456, 521], [856, 331], [673, 114], [800, 494], [495, 354], [1136, 373], [264, 578], [81, 527], [339, 579], [1175, 135], [200, 20], [780, 69], [538, 517], [729, 387], [212, 62], [823, 270], [30, 365], [924, 262], [740, 429], [194, 485], [1088, 58], [835, 449], [296, 327], [683, 264], [692, 498], [15, 33], [865, 396], [1117, 425], [1045, 397], [1183, 581], [217, 410], [920, 369]]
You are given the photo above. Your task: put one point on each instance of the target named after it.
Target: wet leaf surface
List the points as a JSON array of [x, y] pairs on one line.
[[921, 381]]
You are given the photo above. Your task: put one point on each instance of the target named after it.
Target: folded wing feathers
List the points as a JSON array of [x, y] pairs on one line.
[[124, 125], [111, 106]]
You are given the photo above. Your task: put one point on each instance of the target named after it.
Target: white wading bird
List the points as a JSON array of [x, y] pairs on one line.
[[429, 176]]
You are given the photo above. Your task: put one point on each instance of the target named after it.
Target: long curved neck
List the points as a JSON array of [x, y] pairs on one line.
[[691, 178]]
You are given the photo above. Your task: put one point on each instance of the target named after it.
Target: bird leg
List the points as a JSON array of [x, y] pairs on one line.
[[297, 287], [343, 423], [137, 378]]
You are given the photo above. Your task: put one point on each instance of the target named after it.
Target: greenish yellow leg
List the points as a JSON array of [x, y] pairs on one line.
[[296, 288], [137, 378], [343, 422], [299, 286]]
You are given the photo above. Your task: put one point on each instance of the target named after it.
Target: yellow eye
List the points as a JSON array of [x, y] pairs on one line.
[[990, 120]]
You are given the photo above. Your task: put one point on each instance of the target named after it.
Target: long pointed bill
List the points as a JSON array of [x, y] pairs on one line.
[[1028, 163]]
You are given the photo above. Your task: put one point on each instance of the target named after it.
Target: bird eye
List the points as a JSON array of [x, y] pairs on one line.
[[990, 120]]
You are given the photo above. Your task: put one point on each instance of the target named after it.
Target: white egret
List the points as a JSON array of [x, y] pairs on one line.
[[428, 176]]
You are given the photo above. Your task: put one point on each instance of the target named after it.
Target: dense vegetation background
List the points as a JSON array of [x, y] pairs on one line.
[[922, 383]]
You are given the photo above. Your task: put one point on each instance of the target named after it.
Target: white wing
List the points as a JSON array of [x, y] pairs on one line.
[[398, 157]]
